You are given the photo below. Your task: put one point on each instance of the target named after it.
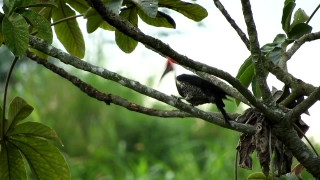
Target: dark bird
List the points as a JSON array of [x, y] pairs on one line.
[[197, 91]]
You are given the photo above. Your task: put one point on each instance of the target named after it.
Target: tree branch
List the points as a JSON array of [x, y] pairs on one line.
[[292, 115], [256, 54], [134, 85], [298, 43], [130, 30], [225, 13]]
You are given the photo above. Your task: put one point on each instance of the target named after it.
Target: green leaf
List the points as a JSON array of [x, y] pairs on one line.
[[35, 3], [80, 6], [15, 33], [19, 110], [189, 10], [280, 38], [149, 7], [34, 129], [274, 55], [68, 32], [40, 23], [161, 20], [299, 30], [255, 87], [114, 5], [12, 166], [9, 6], [95, 21], [299, 17], [126, 43], [286, 15], [45, 160], [245, 73]]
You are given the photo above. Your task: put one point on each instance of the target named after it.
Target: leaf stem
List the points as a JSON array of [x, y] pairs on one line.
[[60, 21], [5, 96]]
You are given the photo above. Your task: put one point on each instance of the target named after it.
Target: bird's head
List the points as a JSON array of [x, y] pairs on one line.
[[169, 67]]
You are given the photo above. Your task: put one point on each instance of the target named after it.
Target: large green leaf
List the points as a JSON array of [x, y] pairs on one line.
[[126, 43], [34, 129], [299, 30], [19, 110], [95, 21], [161, 19], [12, 166], [68, 32], [299, 17], [149, 7], [9, 6], [79, 5], [45, 160], [245, 73], [190, 10], [40, 23], [15, 33], [286, 15], [274, 55]]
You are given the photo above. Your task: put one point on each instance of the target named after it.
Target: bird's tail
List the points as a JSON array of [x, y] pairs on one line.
[[223, 112]]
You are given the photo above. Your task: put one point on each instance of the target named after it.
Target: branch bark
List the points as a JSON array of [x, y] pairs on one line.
[[134, 85]]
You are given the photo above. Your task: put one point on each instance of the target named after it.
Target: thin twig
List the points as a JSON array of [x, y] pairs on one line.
[[225, 13], [5, 96], [313, 13]]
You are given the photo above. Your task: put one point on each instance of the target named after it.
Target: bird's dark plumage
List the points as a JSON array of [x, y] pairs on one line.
[[199, 91]]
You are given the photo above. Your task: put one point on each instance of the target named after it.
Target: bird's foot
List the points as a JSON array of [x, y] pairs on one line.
[[177, 98]]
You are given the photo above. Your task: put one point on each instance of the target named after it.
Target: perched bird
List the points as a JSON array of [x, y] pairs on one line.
[[197, 91]]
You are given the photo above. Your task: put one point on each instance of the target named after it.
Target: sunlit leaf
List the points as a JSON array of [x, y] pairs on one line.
[[15, 33], [40, 23], [45, 160], [161, 19], [126, 43], [34, 129], [95, 21], [19, 110], [68, 32], [12, 166], [189, 10], [149, 7]]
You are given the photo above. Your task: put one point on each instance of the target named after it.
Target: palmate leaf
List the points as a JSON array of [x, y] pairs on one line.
[[15, 33], [12, 166], [68, 32], [19, 110], [126, 43], [45, 160], [34, 129], [189, 10]]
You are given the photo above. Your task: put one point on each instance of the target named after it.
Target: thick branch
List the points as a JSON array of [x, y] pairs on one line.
[[256, 54], [134, 85], [129, 30], [300, 150], [225, 13]]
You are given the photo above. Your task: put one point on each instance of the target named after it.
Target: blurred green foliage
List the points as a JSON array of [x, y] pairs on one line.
[[111, 143]]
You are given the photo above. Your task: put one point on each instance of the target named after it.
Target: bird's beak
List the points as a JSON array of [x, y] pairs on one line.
[[169, 68]]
